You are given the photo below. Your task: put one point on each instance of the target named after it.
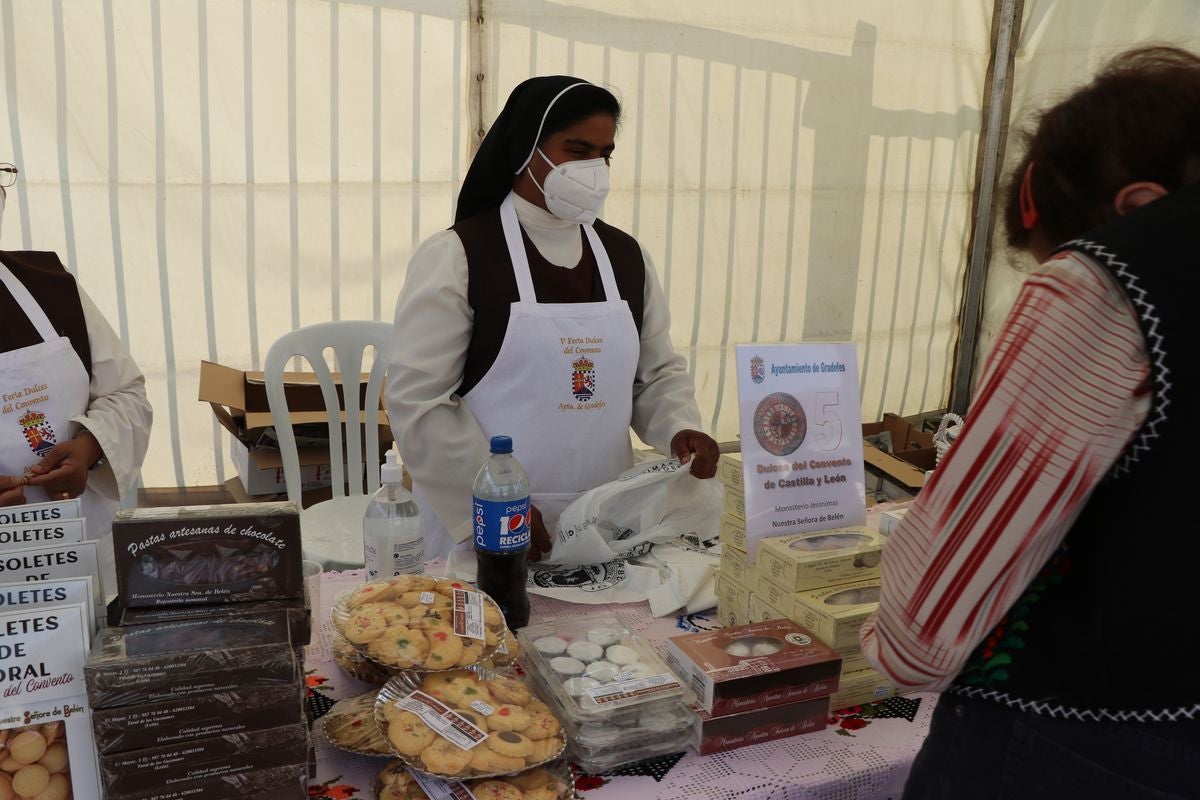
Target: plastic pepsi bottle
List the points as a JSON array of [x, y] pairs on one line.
[[502, 533]]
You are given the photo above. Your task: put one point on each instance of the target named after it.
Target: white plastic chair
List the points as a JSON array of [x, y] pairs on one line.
[[332, 530]]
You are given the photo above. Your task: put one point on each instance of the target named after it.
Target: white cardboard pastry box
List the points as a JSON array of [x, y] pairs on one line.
[[836, 613], [803, 561]]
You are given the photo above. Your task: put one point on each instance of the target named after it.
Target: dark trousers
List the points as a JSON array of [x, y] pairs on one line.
[[985, 751]]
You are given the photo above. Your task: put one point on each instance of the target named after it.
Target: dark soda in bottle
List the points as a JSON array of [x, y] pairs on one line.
[[501, 531]]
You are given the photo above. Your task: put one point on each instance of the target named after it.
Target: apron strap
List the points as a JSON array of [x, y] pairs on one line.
[[516, 250], [30, 306], [604, 265]]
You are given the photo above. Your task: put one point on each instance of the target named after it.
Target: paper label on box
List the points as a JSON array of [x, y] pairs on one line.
[[43, 651], [468, 614], [438, 789], [29, 534], [442, 721], [427, 598], [802, 460], [39, 594], [57, 723], [53, 561], [33, 513], [627, 689]]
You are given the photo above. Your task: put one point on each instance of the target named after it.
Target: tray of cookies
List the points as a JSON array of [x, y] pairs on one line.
[[358, 666], [469, 723], [418, 622], [350, 725], [551, 782], [594, 666]]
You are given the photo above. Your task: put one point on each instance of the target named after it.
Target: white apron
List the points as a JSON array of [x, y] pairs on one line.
[[42, 387], [561, 387]]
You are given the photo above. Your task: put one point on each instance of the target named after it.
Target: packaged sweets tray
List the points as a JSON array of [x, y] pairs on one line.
[[418, 622], [469, 723], [593, 667]]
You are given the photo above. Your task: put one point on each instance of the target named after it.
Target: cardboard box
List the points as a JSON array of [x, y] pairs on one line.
[[733, 601], [736, 565], [261, 470], [859, 687], [188, 658], [119, 730], [197, 555], [239, 399], [836, 613], [176, 765], [852, 657], [911, 454], [718, 734], [802, 561], [729, 468], [753, 666], [735, 505], [733, 532]]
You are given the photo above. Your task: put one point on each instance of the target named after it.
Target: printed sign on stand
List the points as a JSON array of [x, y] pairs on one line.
[[799, 414]]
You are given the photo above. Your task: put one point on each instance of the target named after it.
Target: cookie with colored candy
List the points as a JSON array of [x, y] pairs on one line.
[[510, 743], [509, 718], [373, 592], [366, 624], [350, 725], [542, 725], [543, 749], [445, 649], [400, 647], [472, 653], [394, 782], [509, 690], [408, 735]]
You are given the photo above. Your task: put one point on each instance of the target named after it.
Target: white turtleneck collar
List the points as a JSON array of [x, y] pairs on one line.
[[560, 242]]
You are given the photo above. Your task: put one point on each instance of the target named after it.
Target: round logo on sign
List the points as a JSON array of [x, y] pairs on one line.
[[779, 424]]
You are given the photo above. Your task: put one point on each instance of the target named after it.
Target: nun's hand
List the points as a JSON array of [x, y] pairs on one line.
[[63, 473], [539, 540], [12, 491], [700, 449]]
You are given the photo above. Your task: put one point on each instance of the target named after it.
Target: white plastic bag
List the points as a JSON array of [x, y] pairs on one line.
[[654, 502]]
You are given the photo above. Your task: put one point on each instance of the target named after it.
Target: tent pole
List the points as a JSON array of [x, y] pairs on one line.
[[477, 77], [1006, 34]]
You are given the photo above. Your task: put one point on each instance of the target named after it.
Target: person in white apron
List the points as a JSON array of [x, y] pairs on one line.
[[534, 319], [66, 429]]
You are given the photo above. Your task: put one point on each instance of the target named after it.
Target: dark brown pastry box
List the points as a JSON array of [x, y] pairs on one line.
[[752, 666], [176, 765], [173, 660], [119, 730], [717, 734], [277, 783], [298, 609], [197, 555]]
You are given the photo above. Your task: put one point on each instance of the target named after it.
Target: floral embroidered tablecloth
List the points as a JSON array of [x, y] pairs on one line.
[[864, 754]]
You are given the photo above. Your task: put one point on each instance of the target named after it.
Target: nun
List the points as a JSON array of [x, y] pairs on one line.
[[74, 417], [533, 318]]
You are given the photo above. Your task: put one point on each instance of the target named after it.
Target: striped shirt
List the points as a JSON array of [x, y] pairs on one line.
[[1063, 392]]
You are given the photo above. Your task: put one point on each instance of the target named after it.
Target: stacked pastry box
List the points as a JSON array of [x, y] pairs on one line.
[[199, 691], [50, 599], [755, 683], [617, 700], [827, 581]]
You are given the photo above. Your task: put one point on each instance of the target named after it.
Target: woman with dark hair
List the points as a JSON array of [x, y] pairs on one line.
[[531, 317], [1043, 578]]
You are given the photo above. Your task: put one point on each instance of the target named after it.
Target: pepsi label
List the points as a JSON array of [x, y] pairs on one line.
[[501, 526]]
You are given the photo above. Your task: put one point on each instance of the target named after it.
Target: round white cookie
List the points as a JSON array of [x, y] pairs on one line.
[[585, 651], [621, 655]]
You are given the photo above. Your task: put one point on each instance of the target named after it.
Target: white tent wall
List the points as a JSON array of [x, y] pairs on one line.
[[1063, 44], [218, 172]]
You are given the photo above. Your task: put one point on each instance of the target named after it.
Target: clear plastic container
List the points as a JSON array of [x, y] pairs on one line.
[[614, 711], [595, 666]]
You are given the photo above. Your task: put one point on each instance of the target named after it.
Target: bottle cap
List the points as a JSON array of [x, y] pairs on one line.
[[501, 444], [391, 472]]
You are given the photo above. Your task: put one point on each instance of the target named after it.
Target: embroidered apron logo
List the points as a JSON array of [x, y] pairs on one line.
[[583, 379], [38, 432], [758, 369]]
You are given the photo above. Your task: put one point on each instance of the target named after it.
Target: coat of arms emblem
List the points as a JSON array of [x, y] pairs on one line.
[[38, 432]]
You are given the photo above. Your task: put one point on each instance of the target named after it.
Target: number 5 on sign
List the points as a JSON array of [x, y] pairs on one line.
[[802, 465], [829, 429]]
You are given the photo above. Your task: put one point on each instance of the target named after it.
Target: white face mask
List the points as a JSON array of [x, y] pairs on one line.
[[575, 190]]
